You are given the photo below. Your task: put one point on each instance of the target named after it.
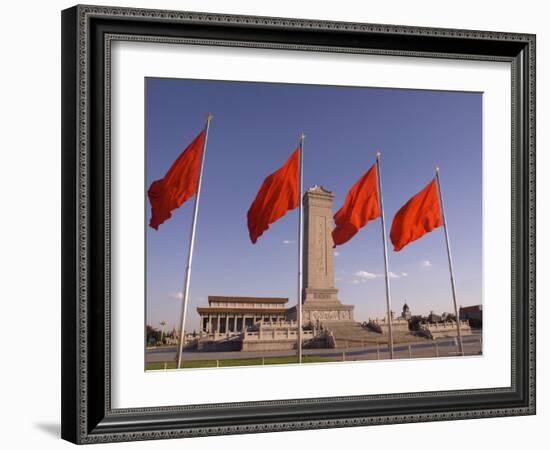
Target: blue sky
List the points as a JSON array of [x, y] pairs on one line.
[[255, 128]]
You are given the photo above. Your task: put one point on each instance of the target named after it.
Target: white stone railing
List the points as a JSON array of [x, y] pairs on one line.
[[276, 335], [280, 325], [271, 331], [444, 325], [384, 320], [217, 335]]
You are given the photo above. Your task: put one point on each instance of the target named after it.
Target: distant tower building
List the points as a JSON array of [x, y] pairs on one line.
[[406, 314]]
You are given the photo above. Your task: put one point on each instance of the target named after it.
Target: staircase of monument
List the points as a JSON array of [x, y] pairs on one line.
[[351, 334]]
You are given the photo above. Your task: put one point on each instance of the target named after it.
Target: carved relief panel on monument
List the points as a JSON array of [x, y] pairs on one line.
[[324, 316], [318, 263], [320, 245]]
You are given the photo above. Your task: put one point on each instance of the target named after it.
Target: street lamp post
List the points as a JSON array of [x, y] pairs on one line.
[[162, 324]]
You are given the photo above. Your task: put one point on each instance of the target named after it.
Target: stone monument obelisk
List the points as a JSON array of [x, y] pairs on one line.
[[319, 297]]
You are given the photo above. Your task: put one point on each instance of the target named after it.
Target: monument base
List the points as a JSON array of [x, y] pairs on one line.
[[319, 312], [321, 306]]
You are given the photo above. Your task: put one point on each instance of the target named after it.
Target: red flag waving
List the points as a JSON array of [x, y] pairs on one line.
[[179, 183], [277, 195], [418, 216], [361, 205]]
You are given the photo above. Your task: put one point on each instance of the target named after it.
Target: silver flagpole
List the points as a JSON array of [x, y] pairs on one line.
[[386, 272], [191, 245], [451, 270], [300, 249]]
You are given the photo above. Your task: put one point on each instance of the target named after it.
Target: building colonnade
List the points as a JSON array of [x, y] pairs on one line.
[[234, 323]]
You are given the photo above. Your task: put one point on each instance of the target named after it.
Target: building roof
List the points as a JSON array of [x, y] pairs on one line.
[[217, 310], [473, 308], [219, 298]]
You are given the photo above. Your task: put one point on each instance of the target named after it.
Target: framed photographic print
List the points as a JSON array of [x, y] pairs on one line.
[[282, 224]]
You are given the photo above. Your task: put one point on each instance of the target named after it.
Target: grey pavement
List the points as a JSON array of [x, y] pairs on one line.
[[436, 348]]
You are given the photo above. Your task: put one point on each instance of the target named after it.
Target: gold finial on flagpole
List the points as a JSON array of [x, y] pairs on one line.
[[302, 136], [209, 117], [378, 154], [437, 168]]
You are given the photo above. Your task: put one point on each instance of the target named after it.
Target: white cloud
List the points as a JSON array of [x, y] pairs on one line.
[[363, 274], [336, 254], [177, 295], [286, 242], [397, 275], [426, 263]]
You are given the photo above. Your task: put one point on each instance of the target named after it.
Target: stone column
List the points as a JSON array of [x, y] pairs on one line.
[[319, 296], [318, 269], [226, 323]]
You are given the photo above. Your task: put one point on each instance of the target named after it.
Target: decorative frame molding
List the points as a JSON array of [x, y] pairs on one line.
[[87, 34]]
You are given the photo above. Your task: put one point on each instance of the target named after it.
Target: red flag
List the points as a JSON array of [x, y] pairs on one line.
[[418, 216], [361, 205], [179, 183], [277, 195]]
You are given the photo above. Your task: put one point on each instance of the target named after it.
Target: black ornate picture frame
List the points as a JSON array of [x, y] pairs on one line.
[[87, 34]]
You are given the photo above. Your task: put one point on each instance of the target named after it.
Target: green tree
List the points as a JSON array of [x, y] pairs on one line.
[[153, 335]]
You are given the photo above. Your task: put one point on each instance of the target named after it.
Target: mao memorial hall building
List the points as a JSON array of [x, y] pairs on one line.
[[236, 314]]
